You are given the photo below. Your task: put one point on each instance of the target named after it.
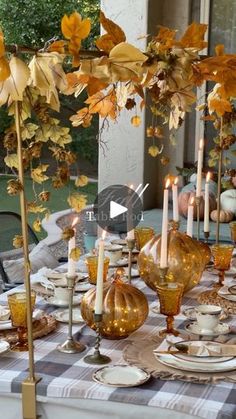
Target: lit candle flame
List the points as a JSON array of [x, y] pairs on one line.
[[131, 186], [75, 221], [176, 180], [208, 177], [201, 144], [167, 184], [191, 201]]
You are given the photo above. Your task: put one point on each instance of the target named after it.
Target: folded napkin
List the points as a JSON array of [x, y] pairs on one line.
[[200, 348]]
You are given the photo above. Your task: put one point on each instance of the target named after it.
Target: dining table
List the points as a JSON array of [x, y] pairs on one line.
[[67, 390]]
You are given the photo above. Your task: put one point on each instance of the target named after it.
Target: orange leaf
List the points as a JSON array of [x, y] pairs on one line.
[[57, 46], [220, 49], [95, 85], [70, 24], [194, 36], [105, 105], [166, 37], [4, 69], [220, 106], [116, 33], [84, 29], [105, 43], [82, 117], [2, 48]]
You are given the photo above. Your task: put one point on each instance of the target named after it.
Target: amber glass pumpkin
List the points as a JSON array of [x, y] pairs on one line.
[[185, 260], [125, 309]]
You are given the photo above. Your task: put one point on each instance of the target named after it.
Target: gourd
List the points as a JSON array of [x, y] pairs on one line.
[[225, 216], [184, 201], [125, 309], [228, 200]]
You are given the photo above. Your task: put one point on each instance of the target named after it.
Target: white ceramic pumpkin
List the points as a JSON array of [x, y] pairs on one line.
[[228, 200]]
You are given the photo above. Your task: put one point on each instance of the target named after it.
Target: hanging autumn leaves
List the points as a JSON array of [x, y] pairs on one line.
[[116, 77]]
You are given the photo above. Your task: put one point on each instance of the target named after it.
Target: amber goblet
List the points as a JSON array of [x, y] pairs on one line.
[[18, 309], [222, 255], [92, 264], [143, 235], [170, 297], [232, 226]]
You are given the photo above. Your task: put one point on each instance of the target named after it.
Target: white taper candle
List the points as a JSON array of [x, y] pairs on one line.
[[199, 168], [190, 218], [206, 205], [164, 232], [175, 200]]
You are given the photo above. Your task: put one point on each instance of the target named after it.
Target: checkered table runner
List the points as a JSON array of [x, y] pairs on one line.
[[66, 375]]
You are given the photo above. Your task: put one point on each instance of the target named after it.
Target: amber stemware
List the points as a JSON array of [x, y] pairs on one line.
[[92, 264], [143, 235], [18, 309], [222, 255], [170, 297], [232, 226]]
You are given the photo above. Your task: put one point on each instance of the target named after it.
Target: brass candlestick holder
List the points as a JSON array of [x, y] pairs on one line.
[[198, 200], [206, 235], [97, 357], [131, 246], [163, 274], [70, 346], [174, 225]]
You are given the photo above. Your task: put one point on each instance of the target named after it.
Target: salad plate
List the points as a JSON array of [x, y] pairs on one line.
[[121, 376]]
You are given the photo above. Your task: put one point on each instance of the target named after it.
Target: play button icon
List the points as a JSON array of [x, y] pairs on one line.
[[118, 209]]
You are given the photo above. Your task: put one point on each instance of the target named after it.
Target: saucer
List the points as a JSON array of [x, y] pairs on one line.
[[62, 315], [221, 329], [61, 303], [121, 376]]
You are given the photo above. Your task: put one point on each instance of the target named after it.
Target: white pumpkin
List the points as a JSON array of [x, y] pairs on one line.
[[228, 200]]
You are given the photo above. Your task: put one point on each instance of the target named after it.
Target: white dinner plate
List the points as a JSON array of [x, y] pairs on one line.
[[83, 286], [224, 293], [60, 303], [121, 242], [190, 313], [221, 329], [203, 359], [4, 347], [189, 365], [134, 272], [121, 262], [62, 315], [121, 376]]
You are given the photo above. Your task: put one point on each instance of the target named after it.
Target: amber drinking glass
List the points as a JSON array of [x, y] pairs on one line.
[[18, 308], [222, 254], [143, 235], [232, 226], [92, 264], [170, 297]]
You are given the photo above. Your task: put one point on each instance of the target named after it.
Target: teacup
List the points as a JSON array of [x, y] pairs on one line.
[[208, 316], [114, 252]]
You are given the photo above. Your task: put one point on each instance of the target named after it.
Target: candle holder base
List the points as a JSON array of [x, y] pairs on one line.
[[97, 358], [71, 347]]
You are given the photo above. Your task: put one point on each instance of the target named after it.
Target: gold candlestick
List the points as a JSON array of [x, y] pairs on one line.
[[130, 245], [198, 200], [29, 385], [70, 346], [97, 357], [163, 274], [206, 235]]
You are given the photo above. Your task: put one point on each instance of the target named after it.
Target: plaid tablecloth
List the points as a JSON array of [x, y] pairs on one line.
[[68, 376]]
